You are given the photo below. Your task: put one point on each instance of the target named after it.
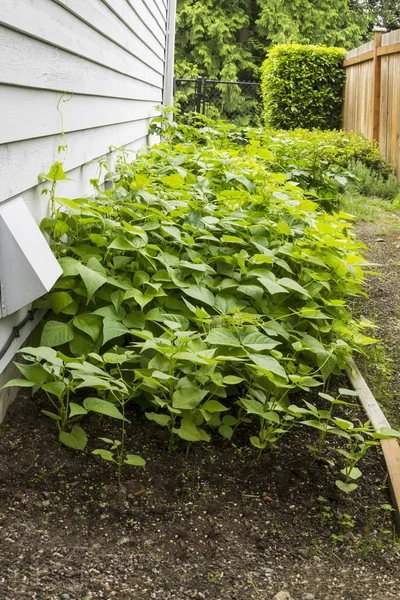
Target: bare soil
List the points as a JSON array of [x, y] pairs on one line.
[[216, 524]]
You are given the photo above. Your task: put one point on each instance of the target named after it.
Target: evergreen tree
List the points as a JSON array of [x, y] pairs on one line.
[[208, 39], [328, 22], [229, 39]]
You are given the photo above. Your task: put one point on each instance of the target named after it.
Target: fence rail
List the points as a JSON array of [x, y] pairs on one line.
[[236, 101], [372, 92]]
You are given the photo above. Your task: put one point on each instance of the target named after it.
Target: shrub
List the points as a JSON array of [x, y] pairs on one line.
[[341, 147], [302, 86], [211, 286], [372, 184]]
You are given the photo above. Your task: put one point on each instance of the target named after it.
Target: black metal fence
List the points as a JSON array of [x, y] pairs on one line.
[[236, 101]]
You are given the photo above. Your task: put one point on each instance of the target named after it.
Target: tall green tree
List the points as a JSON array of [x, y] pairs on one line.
[[228, 39], [208, 39], [328, 22]]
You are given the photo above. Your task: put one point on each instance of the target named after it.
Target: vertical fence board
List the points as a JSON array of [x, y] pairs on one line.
[[372, 79]]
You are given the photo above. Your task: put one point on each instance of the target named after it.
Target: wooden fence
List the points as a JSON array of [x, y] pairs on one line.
[[372, 92]]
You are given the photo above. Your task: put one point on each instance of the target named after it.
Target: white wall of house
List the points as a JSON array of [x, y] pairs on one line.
[[113, 61]]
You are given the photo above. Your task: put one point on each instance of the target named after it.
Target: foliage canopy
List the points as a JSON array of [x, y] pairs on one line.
[[207, 286], [221, 39], [302, 86]]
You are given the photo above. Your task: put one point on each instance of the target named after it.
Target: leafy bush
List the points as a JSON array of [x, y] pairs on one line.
[[338, 147], [206, 287], [220, 284], [302, 86], [369, 183]]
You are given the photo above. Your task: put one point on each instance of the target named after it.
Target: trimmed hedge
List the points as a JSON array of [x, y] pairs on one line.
[[302, 86]]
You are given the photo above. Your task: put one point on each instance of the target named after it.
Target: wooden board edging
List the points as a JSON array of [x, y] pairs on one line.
[[390, 448]]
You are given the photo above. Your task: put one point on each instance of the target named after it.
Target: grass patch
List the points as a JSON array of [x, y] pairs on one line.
[[373, 210]]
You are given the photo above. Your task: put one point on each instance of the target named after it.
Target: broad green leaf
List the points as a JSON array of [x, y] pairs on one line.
[[200, 293], [69, 266], [135, 320], [142, 299], [121, 242], [56, 388], [34, 372], [105, 454], [346, 487], [89, 324], [252, 406], [76, 409], [258, 341], [95, 382], [354, 474], [187, 398], [56, 172], [290, 284], [389, 432], [190, 432], [254, 291], [56, 333], [221, 336], [172, 231], [268, 364], [81, 345], [59, 301], [315, 424], [342, 423], [140, 277], [175, 181], [212, 406], [271, 416], [92, 279], [77, 439], [158, 418], [43, 353], [226, 431], [256, 442], [230, 420], [347, 392], [226, 304], [103, 407], [134, 460], [232, 380], [272, 287], [112, 329]]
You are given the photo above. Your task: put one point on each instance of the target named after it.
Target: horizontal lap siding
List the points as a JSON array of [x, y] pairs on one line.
[[107, 58]]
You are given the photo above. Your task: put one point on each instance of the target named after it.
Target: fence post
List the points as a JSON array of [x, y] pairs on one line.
[[204, 94], [199, 95], [376, 98]]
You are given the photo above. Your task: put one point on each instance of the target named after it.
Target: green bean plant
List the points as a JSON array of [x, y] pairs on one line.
[[207, 287]]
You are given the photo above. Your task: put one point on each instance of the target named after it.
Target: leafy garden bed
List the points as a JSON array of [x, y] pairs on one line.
[[201, 315], [208, 287]]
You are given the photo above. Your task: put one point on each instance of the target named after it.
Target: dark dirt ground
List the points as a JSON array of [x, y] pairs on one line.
[[214, 525], [217, 524]]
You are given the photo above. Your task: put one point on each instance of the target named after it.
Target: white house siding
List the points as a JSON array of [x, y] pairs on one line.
[[108, 57]]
